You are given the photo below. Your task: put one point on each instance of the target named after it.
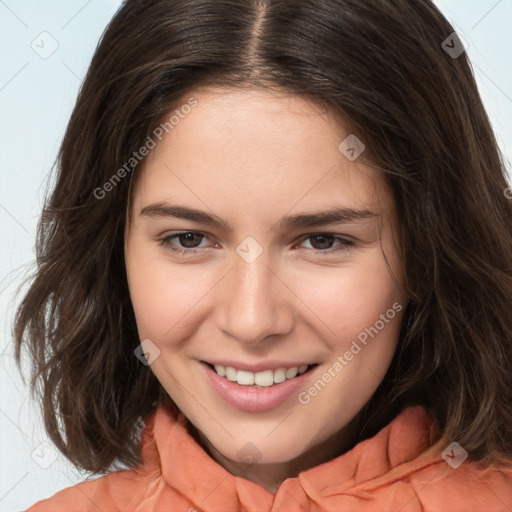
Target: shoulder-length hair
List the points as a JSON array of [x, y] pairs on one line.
[[386, 68]]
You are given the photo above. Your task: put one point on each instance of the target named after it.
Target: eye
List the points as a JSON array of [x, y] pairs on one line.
[[187, 239], [189, 242], [323, 243]]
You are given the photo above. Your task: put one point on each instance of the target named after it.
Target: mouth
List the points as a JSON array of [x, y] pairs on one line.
[[261, 379], [257, 391]]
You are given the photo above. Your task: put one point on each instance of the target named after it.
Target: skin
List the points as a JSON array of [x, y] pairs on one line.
[[251, 157]]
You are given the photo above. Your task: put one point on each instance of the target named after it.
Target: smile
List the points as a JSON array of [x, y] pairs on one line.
[[265, 378], [257, 391]]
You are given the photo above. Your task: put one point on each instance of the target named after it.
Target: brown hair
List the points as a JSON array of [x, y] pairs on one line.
[[379, 64]]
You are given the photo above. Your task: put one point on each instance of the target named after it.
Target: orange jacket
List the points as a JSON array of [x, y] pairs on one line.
[[385, 473]]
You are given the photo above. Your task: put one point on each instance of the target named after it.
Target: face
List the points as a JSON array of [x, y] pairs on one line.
[[233, 261]]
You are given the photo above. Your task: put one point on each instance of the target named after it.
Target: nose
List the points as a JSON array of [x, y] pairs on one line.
[[254, 303]]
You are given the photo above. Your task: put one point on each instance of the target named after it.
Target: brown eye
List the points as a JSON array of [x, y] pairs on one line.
[[189, 240], [322, 241], [185, 242], [327, 243]]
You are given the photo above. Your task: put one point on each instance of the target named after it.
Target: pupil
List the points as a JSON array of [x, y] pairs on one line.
[[188, 237], [323, 238]]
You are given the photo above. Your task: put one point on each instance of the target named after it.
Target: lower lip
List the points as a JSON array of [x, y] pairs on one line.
[[251, 399]]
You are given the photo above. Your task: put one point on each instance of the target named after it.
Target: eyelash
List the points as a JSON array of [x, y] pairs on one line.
[[343, 246]]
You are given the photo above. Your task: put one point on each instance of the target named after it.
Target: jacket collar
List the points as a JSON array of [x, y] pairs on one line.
[[169, 447]]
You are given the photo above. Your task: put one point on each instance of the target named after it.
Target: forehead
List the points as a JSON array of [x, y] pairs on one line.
[[254, 147]]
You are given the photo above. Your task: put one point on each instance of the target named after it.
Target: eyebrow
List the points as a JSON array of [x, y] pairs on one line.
[[301, 220]]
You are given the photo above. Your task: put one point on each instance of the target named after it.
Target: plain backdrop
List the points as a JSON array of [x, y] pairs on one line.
[[46, 48]]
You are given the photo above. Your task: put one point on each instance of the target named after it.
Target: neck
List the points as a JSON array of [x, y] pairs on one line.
[[271, 475]]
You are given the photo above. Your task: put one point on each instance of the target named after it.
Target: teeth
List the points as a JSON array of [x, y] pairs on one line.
[[245, 378], [230, 373], [291, 372], [265, 378], [279, 375], [221, 370]]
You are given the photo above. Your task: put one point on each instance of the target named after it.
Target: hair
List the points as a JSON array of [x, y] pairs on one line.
[[378, 64]]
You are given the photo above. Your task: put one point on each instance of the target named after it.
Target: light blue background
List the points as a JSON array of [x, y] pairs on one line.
[[36, 98]]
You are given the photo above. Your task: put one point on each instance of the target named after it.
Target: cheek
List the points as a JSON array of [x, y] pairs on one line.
[[163, 298], [346, 301]]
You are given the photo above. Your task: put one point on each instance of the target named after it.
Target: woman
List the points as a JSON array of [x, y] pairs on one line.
[[279, 235]]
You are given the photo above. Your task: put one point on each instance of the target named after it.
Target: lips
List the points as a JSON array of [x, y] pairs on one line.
[[256, 398]]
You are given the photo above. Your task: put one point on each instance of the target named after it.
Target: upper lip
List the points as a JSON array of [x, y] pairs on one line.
[[258, 367]]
